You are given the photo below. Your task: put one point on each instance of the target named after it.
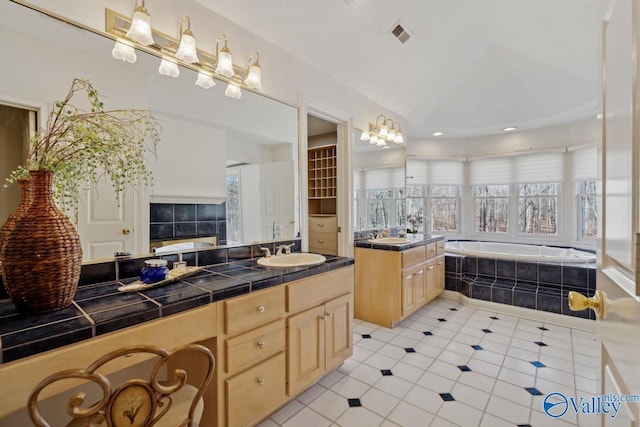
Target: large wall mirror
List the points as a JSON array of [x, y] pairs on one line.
[[379, 185], [237, 153]]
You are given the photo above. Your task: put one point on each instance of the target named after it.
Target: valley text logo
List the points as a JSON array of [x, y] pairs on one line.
[[557, 404]]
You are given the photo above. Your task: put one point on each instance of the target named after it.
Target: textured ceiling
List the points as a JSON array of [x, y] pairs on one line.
[[470, 67]]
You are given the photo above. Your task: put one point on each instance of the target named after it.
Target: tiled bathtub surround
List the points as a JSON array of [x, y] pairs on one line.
[[183, 220], [535, 285]]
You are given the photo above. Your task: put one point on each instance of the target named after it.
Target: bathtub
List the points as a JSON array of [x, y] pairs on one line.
[[520, 252]]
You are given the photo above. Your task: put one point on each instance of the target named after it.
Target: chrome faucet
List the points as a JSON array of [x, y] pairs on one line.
[[286, 249]]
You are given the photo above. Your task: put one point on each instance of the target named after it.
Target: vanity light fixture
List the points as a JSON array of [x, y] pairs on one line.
[[140, 29], [187, 49], [168, 68], [225, 61], [124, 52], [382, 132], [254, 75], [233, 91], [509, 129], [183, 52]]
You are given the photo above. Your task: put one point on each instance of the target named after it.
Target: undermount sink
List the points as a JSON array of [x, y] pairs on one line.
[[390, 240], [292, 260]]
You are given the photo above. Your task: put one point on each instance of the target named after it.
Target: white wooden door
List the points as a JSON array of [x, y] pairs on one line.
[[106, 225], [278, 208], [617, 275]]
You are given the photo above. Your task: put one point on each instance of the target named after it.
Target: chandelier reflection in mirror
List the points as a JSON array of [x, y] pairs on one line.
[[137, 33], [382, 131]]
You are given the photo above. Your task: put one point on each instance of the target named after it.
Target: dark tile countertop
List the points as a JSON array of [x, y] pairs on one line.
[[100, 308], [414, 240]]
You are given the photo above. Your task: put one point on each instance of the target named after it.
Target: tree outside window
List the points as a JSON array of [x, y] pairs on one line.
[[234, 214], [444, 207], [491, 208], [538, 208], [588, 210]]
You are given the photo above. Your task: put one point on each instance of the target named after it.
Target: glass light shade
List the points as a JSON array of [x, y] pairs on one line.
[[233, 91], [381, 143], [140, 29], [254, 76], [391, 136], [124, 52], [399, 139], [225, 63], [187, 49], [168, 68], [384, 131], [205, 81], [374, 139], [364, 136]]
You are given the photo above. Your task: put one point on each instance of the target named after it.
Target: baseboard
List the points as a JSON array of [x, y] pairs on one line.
[[525, 313]]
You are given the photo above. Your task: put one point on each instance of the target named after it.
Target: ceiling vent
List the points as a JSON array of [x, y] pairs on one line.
[[400, 33]]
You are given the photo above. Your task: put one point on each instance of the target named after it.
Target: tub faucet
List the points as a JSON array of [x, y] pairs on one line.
[[286, 249]]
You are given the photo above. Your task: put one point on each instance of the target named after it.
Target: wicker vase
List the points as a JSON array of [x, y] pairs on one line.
[[10, 223], [42, 256]]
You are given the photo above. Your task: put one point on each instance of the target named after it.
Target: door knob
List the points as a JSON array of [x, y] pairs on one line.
[[578, 302], [126, 231]]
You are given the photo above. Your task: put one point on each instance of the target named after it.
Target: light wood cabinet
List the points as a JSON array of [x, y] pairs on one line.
[[319, 340], [323, 234], [322, 200], [391, 285]]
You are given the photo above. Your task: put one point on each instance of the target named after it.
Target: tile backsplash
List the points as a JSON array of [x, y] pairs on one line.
[[183, 220]]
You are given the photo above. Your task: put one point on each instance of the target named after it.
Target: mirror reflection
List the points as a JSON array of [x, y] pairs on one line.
[[379, 185], [226, 169]]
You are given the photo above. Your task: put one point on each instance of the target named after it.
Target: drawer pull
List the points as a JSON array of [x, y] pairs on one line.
[[430, 267], [320, 241], [330, 315], [260, 381], [320, 225], [420, 272], [409, 276], [440, 263], [260, 309], [260, 344]]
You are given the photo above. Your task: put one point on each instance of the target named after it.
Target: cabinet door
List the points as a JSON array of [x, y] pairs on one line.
[[306, 352], [338, 339], [432, 279], [439, 275], [408, 299], [420, 286]]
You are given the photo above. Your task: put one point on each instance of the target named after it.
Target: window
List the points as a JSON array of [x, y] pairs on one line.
[[234, 214], [416, 208], [491, 208], [384, 197], [538, 208], [587, 209], [379, 203], [444, 207]]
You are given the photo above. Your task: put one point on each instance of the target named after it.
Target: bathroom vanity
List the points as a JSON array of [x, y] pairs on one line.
[[273, 332], [394, 280]]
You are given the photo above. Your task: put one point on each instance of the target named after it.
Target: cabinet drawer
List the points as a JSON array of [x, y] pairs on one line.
[[319, 288], [255, 393], [440, 248], [431, 250], [413, 256], [252, 310], [328, 241], [255, 346], [327, 224]]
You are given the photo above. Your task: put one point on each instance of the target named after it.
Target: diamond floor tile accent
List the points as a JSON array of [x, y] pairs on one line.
[[354, 403], [534, 391], [447, 397], [442, 320], [408, 376], [453, 309], [487, 331]]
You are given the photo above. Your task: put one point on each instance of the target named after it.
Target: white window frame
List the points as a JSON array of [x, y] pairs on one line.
[[557, 237]]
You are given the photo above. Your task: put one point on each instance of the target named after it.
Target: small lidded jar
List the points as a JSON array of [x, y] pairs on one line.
[[154, 270]]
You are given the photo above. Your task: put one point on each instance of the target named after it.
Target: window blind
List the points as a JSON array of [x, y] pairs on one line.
[[490, 171], [529, 168], [435, 172], [585, 164], [383, 178]]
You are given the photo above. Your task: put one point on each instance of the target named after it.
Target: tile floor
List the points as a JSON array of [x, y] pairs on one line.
[[451, 365]]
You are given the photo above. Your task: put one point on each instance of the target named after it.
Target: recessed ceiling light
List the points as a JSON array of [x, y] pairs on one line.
[[438, 134], [509, 129]]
